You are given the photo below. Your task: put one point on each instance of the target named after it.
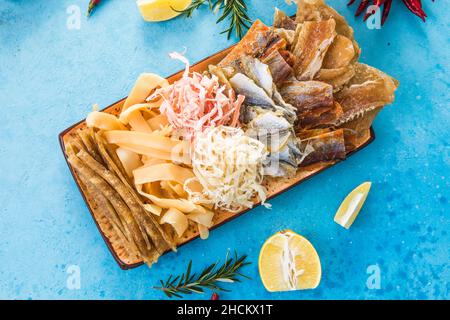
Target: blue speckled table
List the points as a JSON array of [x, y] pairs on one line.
[[50, 76]]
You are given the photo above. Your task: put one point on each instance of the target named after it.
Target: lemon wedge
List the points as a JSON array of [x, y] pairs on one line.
[[287, 262], [350, 207], [161, 10]]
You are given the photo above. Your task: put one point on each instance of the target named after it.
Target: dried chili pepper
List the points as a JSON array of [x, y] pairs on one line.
[[415, 6], [92, 5], [215, 296]]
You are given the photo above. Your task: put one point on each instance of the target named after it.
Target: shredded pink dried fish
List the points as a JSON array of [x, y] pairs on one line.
[[196, 102]]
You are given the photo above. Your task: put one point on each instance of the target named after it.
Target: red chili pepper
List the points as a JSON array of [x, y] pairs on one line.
[[386, 9], [361, 7], [377, 3], [415, 6], [92, 5], [215, 296]]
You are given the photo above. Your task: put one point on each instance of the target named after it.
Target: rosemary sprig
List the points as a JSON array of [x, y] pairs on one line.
[[235, 10], [189, 283]]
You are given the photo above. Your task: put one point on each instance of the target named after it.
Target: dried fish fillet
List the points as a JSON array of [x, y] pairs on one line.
[[336, 77], [326, 147], [114, 165], [368, 90], [313, 41], [340, 53], [149, 255], [281, 20], [254, 43], [308, 96], [318, 10], [279, 68]]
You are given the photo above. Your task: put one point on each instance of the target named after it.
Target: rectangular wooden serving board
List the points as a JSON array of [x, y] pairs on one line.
[[274, 186]]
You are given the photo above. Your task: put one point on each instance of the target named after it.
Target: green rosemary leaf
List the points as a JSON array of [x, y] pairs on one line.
[[189, 282]]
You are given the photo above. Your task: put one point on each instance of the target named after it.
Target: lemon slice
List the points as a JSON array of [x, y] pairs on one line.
[[350, 207], [161, 10], [287, 262]]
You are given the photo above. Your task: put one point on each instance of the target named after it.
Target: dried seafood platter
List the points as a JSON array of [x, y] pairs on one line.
[[182, 155]]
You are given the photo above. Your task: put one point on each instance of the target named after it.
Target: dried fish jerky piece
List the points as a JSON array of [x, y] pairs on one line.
[[86, 137], [287, 35], [161, 234], [107, 210], [368, 90], [340, 53], [313, 41], [318, 10], [281, 20], [278, 66], [308, 96], [320, 118], [138, 212], [253, 43], [288, 57], [148, 255], [336, 77], [259, 42], [326, 147]]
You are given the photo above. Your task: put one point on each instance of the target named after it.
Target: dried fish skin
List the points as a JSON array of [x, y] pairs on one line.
[[313, 41], [308, 96], [368, 90], [340, 53], [279, 68], [326, 147], [282, 20]]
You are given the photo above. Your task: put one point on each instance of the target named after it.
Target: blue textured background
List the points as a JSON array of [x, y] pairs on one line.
[[50, 77]]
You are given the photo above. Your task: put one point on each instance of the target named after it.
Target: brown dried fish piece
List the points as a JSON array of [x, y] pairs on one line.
[[368, 90], [107, 210], [309, 133], [119, 205], [287, 35], [281, 20], [336, 77], [259, 42], [318, 10], [279, 68], [161, 239], [118, 186], [308, 96], [86, 137], [311, 46], [288, 57], [321, 118], [253, 43], [340, 53], [326, 147]]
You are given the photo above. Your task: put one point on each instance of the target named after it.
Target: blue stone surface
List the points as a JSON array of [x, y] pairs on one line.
[[51, 75]]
